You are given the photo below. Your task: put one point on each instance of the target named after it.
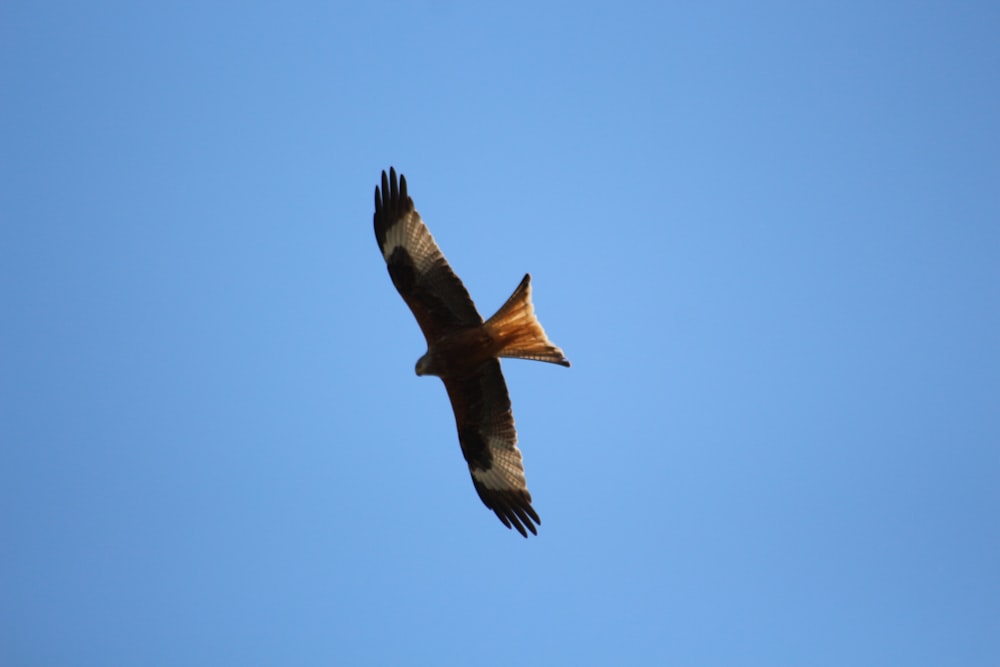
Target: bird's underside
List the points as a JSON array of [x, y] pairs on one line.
[[464, 351]]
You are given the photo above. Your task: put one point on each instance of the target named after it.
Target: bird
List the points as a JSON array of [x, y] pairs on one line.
[[464, 351]]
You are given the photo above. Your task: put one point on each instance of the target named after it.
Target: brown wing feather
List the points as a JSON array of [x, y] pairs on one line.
[[489, 444], [416, 265]]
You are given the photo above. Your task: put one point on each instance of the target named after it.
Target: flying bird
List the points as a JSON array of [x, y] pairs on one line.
[[464, 351]]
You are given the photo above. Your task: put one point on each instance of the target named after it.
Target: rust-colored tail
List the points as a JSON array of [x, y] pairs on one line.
[[518, 332]]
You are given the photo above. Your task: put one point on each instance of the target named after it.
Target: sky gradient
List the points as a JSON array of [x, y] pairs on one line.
[[767, 237]]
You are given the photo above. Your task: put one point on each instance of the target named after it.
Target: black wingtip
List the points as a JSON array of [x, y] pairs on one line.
[[393, 190], [513, 509], [391, 203]]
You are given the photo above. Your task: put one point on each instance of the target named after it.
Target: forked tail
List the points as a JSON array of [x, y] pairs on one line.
[[518, 332]]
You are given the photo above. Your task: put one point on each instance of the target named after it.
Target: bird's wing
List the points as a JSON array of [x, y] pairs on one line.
[[418, 269], [489, 443]]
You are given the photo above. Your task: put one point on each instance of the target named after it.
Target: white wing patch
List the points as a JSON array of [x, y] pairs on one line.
[[412, 235], [506, 472]]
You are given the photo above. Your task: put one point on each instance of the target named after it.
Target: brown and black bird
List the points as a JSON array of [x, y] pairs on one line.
[[464, 351]]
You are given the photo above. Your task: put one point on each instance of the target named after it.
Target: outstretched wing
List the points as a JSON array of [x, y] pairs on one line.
[[417, 267], [489, 444]]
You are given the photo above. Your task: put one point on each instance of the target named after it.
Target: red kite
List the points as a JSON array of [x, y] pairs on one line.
[[465, 352]]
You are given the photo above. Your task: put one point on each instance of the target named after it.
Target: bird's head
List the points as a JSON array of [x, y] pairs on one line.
[[424, 366]]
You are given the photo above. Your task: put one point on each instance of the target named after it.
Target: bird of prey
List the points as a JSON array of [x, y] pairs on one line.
[[464, 351]]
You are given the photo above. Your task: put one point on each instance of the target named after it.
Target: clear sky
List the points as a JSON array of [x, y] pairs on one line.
[[766, 234]]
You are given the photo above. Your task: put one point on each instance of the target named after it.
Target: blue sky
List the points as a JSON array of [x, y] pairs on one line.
[[767, 236]]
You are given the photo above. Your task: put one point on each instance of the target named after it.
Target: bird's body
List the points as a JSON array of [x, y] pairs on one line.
[[464, 351]]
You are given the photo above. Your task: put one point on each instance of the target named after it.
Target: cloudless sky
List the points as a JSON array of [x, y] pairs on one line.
[[767, 235]]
